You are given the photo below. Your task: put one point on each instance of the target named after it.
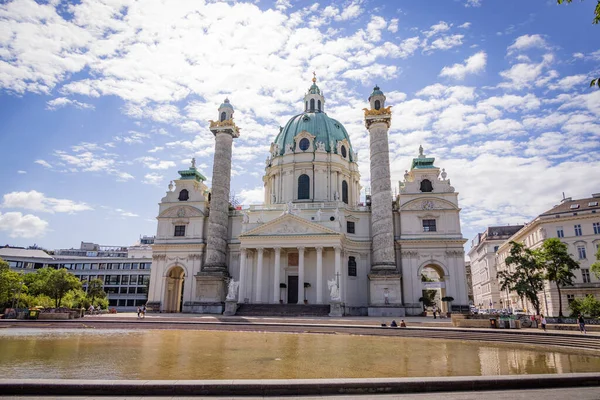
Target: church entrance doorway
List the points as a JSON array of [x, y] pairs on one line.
[[292, 290], [174, 290], [434, 288]]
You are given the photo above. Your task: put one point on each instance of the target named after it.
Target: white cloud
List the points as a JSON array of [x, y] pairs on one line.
[[466, 25], [527, 42], [21, 172], [22, 226], [124, 213], [43, 163], [444, 43], [441, 26], [473, 3], [36, 201], [155, 163], [524, 75], [350, 11], [252, 196], [568, 82], [132, 137], [153, 179], [60, 102], [393, 26], [472, 65]]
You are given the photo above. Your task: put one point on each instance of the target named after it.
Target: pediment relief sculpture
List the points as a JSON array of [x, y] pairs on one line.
[[181, 212]]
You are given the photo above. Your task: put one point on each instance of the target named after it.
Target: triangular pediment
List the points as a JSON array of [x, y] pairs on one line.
[[289, 225]]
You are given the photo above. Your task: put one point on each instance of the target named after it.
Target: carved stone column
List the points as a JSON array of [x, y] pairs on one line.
[[259, 275], [319, 275], [277, 275], [300, 275], [242, 289]]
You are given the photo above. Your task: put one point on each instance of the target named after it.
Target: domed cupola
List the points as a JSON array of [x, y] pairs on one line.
[[377, 99], [314, 100], [225, 111]]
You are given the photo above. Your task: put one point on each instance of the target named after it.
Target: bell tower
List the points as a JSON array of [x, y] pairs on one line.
[[314, 101], [384, 277]]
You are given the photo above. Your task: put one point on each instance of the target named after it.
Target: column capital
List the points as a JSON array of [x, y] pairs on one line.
[[260, 250], [301, 248], [277, 248], [243, 250], [319, 248], [337, 248]]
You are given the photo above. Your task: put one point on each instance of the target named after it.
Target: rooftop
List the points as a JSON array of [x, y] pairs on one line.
[[568, 205]]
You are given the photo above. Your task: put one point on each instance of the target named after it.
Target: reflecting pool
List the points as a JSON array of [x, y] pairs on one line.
[[188, 354]]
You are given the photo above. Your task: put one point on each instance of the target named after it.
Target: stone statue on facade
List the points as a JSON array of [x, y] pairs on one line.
[[321, 146], [336, 196], [290, 207], [193, 162], [232, 290], [336, 214], [245, 217], [273, 198], [289, 149], [171, 186], [334, 290], [319, 215]]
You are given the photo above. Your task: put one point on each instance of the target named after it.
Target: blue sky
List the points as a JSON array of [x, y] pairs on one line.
[[102, 102]]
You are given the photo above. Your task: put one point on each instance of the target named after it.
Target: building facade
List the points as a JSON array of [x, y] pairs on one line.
[[577, 224], [312, 241], [486, 290], [126, 273]]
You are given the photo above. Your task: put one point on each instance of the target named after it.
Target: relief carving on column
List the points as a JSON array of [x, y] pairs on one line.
[[195, 256], [159, 257], [409, 253], [454, 253]]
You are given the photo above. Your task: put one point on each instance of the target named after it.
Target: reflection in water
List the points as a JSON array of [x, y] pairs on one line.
[[188, 354]]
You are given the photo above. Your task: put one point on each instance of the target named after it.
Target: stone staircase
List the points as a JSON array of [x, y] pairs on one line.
[[283, 310]]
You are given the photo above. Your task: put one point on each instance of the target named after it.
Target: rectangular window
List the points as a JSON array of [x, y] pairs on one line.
[[78, 266], [596, 228], [585, 275], [577, 230], [125, 280], [131, 289], [179, 230], [349, 226], [112, 302], [106, 279], [111, 290], [126, 265], [102, 266], [559, 232], [140, 302], [146, 279], [581, 252], [123, 290], [130, 303], [429, 225], [140, 279], [135, 266], [114, 280], [142, 290], [351, 266], [121, 303], [94, 266], [133, 279], [496, 248], [570, 298]]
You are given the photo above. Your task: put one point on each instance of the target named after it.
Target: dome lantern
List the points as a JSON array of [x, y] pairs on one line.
[[377, 99], [225, 111], [314, 101]]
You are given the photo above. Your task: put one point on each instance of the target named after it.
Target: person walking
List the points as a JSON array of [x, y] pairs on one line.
[[581, 322], [434, 312], [144, 311], [543, 321], [139, 311]]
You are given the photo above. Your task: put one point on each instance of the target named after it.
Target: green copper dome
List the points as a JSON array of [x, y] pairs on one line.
[[376, 92], [318, 124]]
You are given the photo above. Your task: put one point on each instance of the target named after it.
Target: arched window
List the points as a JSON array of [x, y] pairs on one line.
[[426, 186], [345, 192], [377, 104], [184, 195], [304, 144], [319, 104], [312, 105], [303, 187], [351, 266], [223, 116]]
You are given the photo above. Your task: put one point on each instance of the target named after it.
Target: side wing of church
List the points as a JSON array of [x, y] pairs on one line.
[[312, 242]]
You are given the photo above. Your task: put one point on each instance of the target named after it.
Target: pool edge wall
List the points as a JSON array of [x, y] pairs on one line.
[[291, 387]]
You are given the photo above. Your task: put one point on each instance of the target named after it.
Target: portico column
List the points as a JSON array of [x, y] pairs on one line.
[[242, 290], [319, 275], [300, 275], [277, 277], [259, 275], [338, 266]]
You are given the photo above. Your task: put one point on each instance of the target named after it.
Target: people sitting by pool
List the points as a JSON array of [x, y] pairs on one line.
[[402, 324], [394, 324]]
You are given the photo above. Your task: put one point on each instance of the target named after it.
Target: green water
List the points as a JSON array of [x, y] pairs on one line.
[[189, 354]]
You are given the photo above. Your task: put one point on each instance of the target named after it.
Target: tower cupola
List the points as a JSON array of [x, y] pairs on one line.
[[377, 99], [313, 100], [225, 111]]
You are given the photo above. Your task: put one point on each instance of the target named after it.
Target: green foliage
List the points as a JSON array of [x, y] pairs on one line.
[[11, 284], [587, 306], [527, 279], [29, 300], [425, 278], [96, 290], [427, 299], [595, 267], [554, 254], [596, 19], [55, 283]]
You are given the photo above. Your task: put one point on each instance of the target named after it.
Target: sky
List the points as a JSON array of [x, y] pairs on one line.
[[103, 101]]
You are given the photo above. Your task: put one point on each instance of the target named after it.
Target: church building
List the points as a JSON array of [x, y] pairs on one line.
[[312, 242]]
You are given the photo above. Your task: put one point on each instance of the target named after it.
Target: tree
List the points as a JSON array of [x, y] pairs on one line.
[[527, 279], [559, 266], [595, 267], [10, 284], [587, 306], [52, 282], [427, 299], [96, 289], [596, 20]]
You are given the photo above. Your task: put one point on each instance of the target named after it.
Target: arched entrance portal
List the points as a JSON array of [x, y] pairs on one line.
[[434, 287], [174, 289]]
